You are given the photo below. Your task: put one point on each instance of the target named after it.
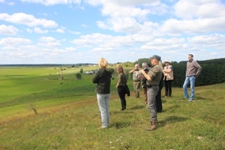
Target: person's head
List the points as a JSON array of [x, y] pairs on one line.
[[167, 62], [136, 66], [120, 69], [144, 65], [190, 57], [155, 60], [102, 63]]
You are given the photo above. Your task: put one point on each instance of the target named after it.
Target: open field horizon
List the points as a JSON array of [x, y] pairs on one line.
[[67, 115]]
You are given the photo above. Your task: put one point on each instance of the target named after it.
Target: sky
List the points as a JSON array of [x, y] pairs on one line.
[[83, 31]]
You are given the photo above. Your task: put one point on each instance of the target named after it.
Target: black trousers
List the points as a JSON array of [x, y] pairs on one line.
[[122, 93], [159, 101], [168, 87]]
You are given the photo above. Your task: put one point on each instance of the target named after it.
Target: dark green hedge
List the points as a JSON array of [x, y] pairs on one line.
[[213, 71]]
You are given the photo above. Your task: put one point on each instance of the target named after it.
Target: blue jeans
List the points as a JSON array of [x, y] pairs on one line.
[[189, 80], [151, 97], [103, 104]]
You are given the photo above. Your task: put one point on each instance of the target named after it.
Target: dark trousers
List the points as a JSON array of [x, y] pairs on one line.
[[168, 87], [159, 101], [122, 93]]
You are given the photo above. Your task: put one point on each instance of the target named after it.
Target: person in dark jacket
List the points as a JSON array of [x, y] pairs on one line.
[[158, 98], [121, 86], [103, 80]]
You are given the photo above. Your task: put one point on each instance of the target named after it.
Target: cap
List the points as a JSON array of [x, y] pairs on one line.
[[156, 57], [167, 61]]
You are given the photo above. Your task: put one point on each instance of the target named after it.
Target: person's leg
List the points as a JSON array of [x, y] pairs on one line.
[[151, 95], [192, 87], [169, 88], [166, 88], [185, 85], [138, 89], [122, 93], [103, 109], [107, 99], [134, 86]]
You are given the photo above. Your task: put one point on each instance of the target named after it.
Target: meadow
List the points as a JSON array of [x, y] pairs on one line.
[[39, 111]]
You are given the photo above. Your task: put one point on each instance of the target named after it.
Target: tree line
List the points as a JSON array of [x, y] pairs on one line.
[[213, 71]]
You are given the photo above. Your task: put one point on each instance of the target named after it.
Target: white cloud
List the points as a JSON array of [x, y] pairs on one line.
[[40, 31], [60, 31], [14, 41], [8, 30], [49, 42], [2, 1], [27, 19], [174, 26], [189, 9], [53, 2], [71, 49], [215, 41]]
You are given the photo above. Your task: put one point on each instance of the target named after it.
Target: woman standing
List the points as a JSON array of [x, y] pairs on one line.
[[103, 81], [168, 78], [121, 86]]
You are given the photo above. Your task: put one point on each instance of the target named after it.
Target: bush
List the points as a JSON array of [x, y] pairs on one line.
[[81, 70], [78, 76]]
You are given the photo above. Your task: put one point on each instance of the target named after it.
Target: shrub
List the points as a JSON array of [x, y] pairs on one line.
[[78, 76]]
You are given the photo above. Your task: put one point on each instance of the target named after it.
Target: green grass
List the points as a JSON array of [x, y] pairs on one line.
[[68, 116]]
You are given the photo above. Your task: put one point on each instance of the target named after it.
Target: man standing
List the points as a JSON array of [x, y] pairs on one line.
[[136, 80], [192, 71], [153, 78]]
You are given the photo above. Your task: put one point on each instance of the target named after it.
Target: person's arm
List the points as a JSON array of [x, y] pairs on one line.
[[119, 80], [146, 75], [132, 71], [199, 68], [96, 77], [170, 69]]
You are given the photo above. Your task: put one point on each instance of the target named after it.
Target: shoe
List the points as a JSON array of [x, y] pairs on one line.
[[153, 126], [99, 128], [190, 100]]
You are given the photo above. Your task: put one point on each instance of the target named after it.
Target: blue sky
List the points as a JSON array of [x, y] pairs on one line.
[[82, 31]]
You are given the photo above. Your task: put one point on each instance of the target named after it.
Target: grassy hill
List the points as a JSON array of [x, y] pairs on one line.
[[68, 117]]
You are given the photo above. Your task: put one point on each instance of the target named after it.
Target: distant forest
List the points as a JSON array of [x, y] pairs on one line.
[[213, 71]]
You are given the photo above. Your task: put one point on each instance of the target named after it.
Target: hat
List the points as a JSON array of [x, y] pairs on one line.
[[167, 61], [156, 57]]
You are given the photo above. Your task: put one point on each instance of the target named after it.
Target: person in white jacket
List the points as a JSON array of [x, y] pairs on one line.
[[168, 78]]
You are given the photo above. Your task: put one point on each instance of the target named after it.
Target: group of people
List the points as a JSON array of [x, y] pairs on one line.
[[151, 77]]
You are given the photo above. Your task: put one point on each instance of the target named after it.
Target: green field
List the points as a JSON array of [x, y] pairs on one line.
[[39, 111]]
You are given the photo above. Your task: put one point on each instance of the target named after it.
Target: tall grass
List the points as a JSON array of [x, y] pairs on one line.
[[68, 117]]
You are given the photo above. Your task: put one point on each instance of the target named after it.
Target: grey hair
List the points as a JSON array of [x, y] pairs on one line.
[[144, 64]]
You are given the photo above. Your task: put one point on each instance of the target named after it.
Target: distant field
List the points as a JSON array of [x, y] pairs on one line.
[[68, 117]]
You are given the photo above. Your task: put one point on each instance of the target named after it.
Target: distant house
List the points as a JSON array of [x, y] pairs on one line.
[[91, 72]]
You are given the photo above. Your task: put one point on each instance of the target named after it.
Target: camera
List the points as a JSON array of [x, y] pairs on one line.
[[146, 69]]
